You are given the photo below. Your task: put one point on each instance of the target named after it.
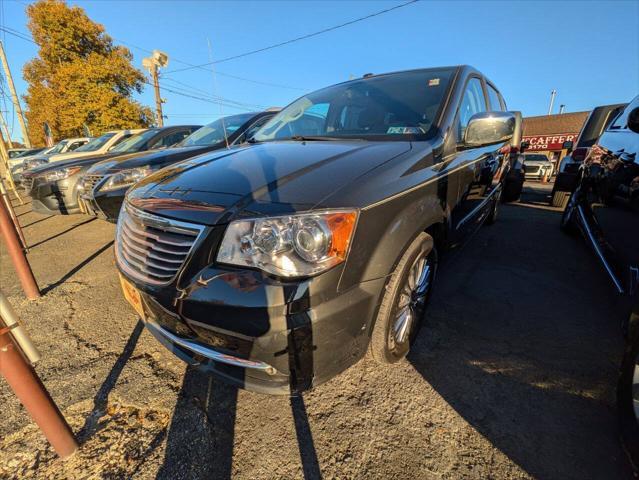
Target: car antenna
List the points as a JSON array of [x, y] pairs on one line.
[[226, 138]]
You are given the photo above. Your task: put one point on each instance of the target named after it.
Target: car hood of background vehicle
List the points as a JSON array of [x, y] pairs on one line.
[[73, 162], [167, 155], [537, 162], [264, 179]]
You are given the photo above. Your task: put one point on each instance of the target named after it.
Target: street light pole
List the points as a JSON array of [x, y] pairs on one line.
[[158, 99], [552, 101]]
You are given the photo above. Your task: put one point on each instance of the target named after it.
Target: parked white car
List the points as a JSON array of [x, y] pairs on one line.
[[97, 146], [63, 146], [537, 166]]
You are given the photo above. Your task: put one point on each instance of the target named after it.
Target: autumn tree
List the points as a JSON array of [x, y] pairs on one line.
[[79, 77]]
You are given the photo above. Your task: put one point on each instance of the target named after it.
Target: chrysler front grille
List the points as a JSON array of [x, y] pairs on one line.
[[150, 248], [90, 181]]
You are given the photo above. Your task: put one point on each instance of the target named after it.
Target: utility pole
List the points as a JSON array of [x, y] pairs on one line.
[[152, 64], [552, 101], [158, 99], [14, 97], [4, 125]]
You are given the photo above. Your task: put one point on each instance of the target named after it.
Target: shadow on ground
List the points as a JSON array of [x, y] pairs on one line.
[[526, 349], [201, 435]]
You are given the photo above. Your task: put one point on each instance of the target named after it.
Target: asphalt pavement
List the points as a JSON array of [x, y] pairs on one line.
[[512, 376]]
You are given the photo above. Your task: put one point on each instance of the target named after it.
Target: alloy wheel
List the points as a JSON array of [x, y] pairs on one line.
[[412, 300]]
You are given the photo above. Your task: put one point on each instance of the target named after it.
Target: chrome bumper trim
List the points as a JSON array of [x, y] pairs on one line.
[[208, 352]]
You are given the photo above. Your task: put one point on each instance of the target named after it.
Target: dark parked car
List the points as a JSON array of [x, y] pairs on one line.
[[566, 179], [106, 183], [279, 264], [605, 208], [54, 187]]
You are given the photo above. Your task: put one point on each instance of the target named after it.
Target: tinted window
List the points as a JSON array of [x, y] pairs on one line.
[[134, 143], [256, 126], [393, 106], [622, 120], [473, 102], [493, 98]]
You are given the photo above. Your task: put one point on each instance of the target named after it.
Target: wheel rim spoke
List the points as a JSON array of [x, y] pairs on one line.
[[402, 324]]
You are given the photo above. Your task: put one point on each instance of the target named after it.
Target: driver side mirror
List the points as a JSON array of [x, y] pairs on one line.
[[633, 120], [485, 128]]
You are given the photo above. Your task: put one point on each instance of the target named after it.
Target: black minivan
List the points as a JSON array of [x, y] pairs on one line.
[[278, 264]]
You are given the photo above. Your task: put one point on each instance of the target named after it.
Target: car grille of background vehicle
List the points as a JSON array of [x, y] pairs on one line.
[[531, 168], [150, 248], [90, 181]]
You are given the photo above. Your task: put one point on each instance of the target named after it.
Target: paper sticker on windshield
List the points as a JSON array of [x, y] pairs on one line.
[[404, 130], [433, 82]]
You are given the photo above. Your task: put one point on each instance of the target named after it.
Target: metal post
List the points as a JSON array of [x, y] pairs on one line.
[[5, 127], [33, 395], [158, 99], [4, 168], [12, 214], [552, 101], [18, 258], [561, 108], [14, 97]]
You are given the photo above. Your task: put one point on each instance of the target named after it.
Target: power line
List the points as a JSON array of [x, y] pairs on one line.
[[297, 39], [225, 101]]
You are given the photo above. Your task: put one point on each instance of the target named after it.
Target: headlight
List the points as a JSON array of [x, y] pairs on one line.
[[289, 246], [60, 174], [126, 178]]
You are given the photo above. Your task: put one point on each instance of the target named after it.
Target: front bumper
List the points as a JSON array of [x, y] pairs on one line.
[[295, 334], [109, 203], [55, 198]]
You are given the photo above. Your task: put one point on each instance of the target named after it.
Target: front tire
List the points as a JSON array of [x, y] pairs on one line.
[[407, 294]]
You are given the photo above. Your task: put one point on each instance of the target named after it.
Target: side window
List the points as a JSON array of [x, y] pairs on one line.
[[493, 98], [473, 102], [74, 145]]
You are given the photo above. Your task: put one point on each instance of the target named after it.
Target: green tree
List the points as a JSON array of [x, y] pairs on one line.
[[79, 77]]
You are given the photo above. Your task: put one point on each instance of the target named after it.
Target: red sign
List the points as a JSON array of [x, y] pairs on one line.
[[549, 142]]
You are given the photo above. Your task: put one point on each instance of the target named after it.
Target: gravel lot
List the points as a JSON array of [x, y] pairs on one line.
[[513, 375]]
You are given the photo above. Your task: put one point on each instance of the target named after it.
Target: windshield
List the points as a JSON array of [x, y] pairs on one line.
[[136, 142], [395, 106], [95, 144], [214, 132], [57, 148]]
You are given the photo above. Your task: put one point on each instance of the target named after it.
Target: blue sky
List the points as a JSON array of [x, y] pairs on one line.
[[587, 51]]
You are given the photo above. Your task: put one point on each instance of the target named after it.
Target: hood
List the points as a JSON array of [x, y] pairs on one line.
[[152, 158], [58, 157], [537, 162], [268, 178], [72, 162]]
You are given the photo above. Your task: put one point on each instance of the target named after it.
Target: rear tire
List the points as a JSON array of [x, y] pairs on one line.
[[394, 332], [560, 199], [512, 190]]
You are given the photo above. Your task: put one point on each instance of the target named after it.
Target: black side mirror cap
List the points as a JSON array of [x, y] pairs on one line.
[[633, 120]]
